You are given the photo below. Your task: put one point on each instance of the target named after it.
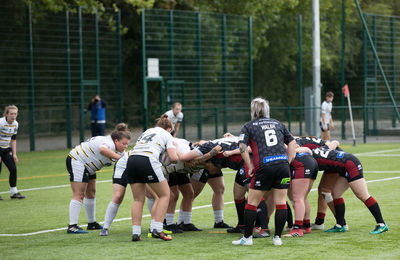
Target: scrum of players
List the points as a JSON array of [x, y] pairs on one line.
[[272, 167]]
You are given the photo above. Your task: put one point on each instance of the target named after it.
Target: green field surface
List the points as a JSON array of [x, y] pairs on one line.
[[43, 178]]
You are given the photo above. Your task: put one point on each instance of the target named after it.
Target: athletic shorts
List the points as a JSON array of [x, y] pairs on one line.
[[322, 128], [176, 178], [241, 177], [353, 169], [120, 176], [143, 169], [203, 175], [304, 166], [275, 176], [77, 171]]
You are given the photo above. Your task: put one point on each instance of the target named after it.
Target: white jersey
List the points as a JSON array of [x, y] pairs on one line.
[[152, 143], [88, 153], [326, 108], [6, 132], [180, 166], [174, 118]]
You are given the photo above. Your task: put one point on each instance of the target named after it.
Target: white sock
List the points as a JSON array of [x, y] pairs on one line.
[[150, 203], [136, 230], [180, 217], [13, 190], [218, 215], [111, 212], [187, 217], [74, 210], [169, 218], [156, 225], [90, 207]]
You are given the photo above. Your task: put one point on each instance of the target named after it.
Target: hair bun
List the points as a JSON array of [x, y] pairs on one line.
[[121, 127]]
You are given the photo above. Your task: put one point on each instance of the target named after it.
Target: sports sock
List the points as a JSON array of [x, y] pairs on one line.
[[13, 190], [280, 218], [298, 224], [240, 204], [169, 218], [74, 210], [373, 207], [340, 209], [90, 208], [289, 216], [150, 203], [320, 219], [111, 212], [262, 215], [136, 230], [180, 217], [306, 223], [187, 217], [218, 215], [158, 226], [250, 214]]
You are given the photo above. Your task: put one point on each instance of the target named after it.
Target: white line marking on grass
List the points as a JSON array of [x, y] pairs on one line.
[[377, 152], [148, 215]]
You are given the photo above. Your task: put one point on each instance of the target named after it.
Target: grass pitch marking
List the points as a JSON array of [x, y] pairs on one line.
[[148, 215]]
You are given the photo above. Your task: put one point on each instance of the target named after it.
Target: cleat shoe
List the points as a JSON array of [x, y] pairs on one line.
[[288, 229], [294, 233], [277, 241], [221, 224], [244, 241], [160, 235], [317, 227], [262, 233], [74, 229], [336, 228], [189, 227], [380, 228], [174, 228], [136, 237], [306, 230], [346, 227], [94, 226], [104, 232], [17, 196], [237, 229], [167, 232]]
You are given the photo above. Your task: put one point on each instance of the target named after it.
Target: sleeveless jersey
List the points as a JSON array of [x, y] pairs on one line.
[[89, 154], [267, 138]]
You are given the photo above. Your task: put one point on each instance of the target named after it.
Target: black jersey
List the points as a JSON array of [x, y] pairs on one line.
[[227, 144], [311, 142], [267, 138], [346, 164]]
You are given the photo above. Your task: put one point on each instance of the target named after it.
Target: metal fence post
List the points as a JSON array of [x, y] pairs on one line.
[[31, 82], [119, 57], [198, 44], [393, 63], [68, 63], [342, 71], [250, 28], [224, 84], [145, 109], [375, 77], [365, 112], [98, 87], [81, 105], [300, 39]]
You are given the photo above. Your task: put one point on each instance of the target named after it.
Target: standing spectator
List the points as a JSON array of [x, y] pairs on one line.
[[270, 167], [98, 116], [176, 116], [8, 147], [326, 122]]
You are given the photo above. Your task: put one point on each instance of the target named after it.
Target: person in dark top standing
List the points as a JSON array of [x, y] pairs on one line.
[[97, 107], [270, 168]]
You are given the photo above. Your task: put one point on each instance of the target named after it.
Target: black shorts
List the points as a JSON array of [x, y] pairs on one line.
[[143, 169], [175, 178], [275, 176], [241, 177], [204, 175], [353, 169], [304, 166], [322, 128], [120, 176]]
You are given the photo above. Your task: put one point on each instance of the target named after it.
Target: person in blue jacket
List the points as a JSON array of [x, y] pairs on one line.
[[97, 107]]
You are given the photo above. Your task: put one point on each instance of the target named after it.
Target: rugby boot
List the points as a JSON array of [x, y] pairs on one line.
[[296, 232], [336, 228], [262, 233], [160, 235], [277, 241], [75, 229], [17, 196], [237, 229], [136, 237], [174, 228], [94, 226], [380, 228], [189, 227], [244, 241], [104, 232], [221, 224]]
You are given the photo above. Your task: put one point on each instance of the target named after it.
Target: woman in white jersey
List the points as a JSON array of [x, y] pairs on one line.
[[143, 167], [82, 163], [326, 122]]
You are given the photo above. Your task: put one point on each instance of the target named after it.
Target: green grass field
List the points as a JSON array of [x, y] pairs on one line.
[[46, 209]]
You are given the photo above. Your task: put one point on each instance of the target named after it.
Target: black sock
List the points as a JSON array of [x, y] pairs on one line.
[[250, 214], [280, 219], [339, 210], [373, 207], [240, 204], [289, 217], [262, 215]]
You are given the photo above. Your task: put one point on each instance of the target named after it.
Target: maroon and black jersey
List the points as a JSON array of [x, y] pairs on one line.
[[346, 164], [267, 138], [304, 166], [227, 144], [311, 142]]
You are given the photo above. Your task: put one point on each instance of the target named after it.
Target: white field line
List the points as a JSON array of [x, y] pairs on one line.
[[145, 216], [376, 153]]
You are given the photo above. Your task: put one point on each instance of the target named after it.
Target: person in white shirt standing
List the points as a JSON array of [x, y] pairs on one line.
[[8, 147], [82, 163], [326, 122], [176, 116]]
